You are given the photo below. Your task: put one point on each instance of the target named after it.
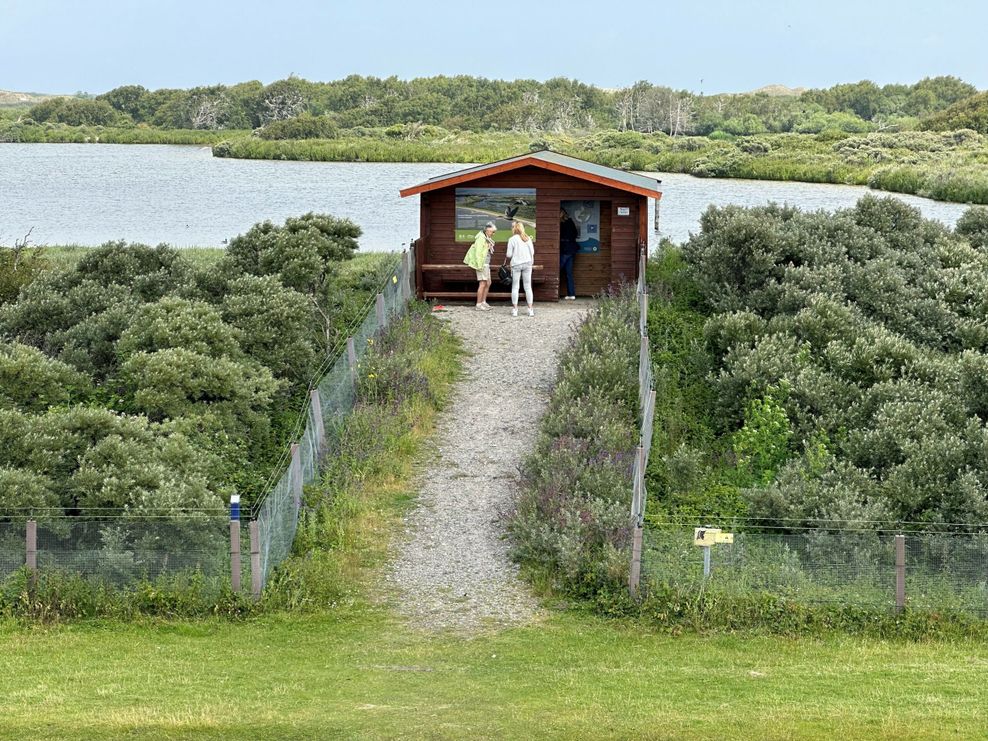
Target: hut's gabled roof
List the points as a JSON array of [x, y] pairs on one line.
[[562, 163]]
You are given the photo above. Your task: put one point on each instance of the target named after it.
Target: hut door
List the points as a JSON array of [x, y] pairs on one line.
[[592, 264]]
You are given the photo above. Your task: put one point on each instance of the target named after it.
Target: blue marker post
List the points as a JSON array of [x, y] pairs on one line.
[[235, 542]]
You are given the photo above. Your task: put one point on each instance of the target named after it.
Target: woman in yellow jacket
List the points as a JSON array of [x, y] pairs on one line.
[[478, 257]]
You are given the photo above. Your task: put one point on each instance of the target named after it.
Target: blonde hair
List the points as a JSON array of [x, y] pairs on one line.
[[518, 228]]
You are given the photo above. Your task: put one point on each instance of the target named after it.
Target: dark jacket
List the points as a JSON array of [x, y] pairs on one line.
[[567, 237]]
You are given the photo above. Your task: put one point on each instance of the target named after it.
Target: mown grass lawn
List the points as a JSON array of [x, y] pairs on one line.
[[356, 673]]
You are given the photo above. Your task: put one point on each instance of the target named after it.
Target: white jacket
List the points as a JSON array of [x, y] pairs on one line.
[[521, 252]]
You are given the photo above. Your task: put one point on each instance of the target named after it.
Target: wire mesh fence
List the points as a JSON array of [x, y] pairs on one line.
[[12, 547], [941, 571], [120, 548], [646, 412], [334, 396], [834, 563]]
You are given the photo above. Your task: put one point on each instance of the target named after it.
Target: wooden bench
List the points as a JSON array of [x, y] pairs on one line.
[[464, 295], [466, 273]]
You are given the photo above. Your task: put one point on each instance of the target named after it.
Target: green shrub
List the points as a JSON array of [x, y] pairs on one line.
[[33, 382], [843, 366], [305, 126], [571, 519]]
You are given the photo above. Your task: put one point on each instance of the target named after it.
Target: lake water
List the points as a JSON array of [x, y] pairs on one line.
[[88, 194]]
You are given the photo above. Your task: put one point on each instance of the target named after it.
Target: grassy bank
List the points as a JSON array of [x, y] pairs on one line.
[[951, 166], [51, 133], [68, 255], [947, 166], [379, 147]]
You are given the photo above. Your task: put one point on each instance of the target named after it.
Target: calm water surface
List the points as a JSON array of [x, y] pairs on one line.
[[88, 194]]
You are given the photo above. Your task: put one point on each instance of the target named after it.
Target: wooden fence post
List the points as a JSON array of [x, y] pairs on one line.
[[416, 276], [315, 403], [636, 561], [637, 513], [900, 573], [296, 465], [255, 560], [32, 550], [379, 307], [405, 282], [351, 356], [235, 566]]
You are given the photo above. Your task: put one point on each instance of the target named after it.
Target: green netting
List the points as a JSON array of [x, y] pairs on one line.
[[947, 571], [850, 567], [12, 547], [123, 550], [336, 393], [277, 519]]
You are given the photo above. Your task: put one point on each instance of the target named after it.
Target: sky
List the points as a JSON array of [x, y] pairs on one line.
[[66, 46]]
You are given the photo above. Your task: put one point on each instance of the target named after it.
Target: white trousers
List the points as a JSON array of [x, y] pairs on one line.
[[521, 272]]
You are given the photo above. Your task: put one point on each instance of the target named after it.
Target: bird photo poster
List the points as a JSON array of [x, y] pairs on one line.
[[586, 216], [476, 206]]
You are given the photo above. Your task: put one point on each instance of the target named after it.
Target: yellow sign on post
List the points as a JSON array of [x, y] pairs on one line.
[[705, 536], [708, 536]]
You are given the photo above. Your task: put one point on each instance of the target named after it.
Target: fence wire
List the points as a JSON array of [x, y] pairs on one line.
[[943, 571], [12, 547], [277, 514]]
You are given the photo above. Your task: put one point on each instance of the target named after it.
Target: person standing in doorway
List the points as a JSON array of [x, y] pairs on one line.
[[478, 257], [568, 232], [521, 252]]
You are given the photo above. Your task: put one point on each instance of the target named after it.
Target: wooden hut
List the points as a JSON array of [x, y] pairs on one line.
[[609, 206]]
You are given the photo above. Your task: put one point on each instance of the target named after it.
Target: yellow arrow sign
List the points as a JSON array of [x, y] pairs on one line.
[[708, 536]]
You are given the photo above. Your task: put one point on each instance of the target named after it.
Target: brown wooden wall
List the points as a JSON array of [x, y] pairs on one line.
[[620, 235]]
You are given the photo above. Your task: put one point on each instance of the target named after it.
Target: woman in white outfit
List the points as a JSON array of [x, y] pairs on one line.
[[521, 252]]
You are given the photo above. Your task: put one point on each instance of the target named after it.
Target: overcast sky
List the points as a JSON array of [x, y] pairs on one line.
[[64, 46]]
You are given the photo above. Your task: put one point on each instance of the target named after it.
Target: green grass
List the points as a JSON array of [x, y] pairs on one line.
[[948, 166], [366, 264], [357, 673], [66, 256], [49, 133], [457, 147]]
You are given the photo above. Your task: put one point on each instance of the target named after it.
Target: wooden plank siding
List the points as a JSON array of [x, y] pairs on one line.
[[620, 235]]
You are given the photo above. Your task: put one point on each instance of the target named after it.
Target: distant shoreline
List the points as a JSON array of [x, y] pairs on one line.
[[943, 166]]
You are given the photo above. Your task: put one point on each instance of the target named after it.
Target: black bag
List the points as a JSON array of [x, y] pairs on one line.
[[504, 275]]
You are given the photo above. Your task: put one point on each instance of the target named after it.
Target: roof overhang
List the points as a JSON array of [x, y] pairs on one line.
[[572, 169]]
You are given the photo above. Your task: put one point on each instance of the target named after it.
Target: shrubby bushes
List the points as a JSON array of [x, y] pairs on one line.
[[571, 520], [305, 126], [843, 355], [138, 380]]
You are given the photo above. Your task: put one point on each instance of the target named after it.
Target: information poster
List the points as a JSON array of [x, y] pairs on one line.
[[586, 216], [476, 206]]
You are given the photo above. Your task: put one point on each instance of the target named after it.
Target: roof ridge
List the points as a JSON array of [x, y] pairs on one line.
[[620, 179]]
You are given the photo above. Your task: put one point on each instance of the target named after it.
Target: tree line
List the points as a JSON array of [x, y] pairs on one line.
[[557, 105]]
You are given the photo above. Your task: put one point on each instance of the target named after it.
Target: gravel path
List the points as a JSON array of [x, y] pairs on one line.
[[453, 571]]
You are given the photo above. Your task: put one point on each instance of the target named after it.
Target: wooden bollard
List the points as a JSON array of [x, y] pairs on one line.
[[235, 565], [31, 560], [256, 581]]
